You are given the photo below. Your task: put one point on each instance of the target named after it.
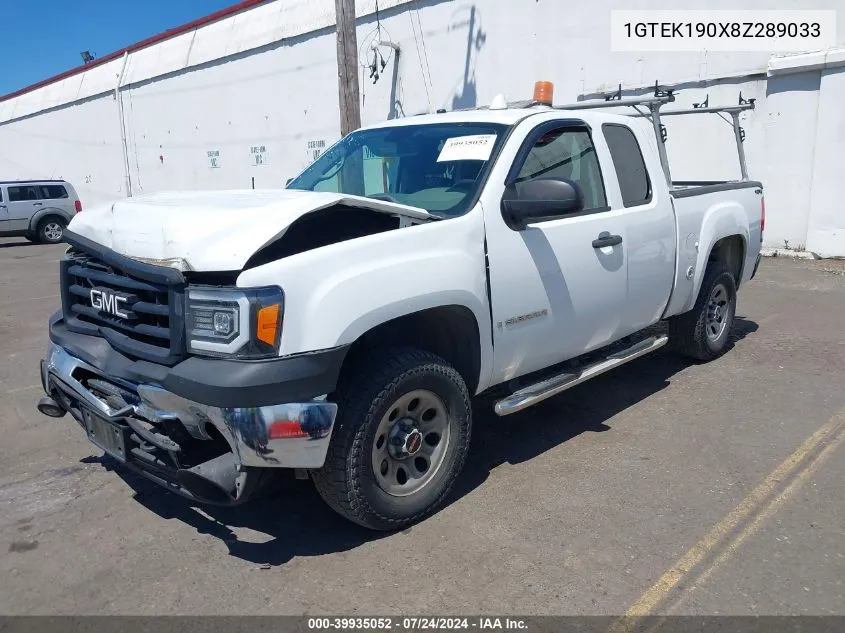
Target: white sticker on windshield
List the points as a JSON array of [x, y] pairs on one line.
[[476, 147]]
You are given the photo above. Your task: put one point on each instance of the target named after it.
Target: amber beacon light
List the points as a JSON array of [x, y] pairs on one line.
[[544, 92]]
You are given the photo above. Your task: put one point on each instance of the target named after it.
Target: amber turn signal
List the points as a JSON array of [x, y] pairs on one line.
[[268, 323]]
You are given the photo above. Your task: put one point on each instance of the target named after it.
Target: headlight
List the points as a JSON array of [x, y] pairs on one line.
[[232, 322]]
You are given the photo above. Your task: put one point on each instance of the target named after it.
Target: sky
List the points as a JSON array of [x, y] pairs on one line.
[[33, 48]]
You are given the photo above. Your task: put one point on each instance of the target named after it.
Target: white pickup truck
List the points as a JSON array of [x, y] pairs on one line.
[[342, 326]]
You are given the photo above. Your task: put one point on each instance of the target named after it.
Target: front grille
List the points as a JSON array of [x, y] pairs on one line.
[[139, 315], [144, 304]]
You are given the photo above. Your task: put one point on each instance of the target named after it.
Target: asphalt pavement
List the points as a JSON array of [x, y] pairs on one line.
[[664, 487]]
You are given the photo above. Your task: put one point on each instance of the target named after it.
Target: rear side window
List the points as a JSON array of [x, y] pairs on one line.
[[629, 164], [52, 192], [19, 194]]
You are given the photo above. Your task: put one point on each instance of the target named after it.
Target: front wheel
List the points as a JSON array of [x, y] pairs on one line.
[[400, 440], [703, 332]]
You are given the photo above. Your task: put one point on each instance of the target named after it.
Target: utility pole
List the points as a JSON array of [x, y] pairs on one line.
[[347, 66]]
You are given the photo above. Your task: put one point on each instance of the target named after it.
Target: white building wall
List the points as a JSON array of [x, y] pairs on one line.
[[790, 140], [278, 98], [268, 77], [79, 143], [826, 222]]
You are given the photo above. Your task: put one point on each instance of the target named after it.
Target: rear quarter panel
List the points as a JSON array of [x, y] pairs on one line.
[[704, 219]]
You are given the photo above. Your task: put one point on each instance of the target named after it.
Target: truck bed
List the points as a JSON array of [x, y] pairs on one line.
[[687, 188]]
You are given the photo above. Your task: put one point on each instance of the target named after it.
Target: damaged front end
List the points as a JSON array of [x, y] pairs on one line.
[[209, 454]]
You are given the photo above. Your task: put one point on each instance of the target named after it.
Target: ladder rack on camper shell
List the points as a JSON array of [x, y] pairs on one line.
[[654, 102]]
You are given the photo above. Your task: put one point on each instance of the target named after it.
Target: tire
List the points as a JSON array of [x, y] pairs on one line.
[[260, 483], [703, 333], [392, 394], [51, 230]]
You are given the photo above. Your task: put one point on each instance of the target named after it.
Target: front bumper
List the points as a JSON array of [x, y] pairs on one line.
[[218, 382], [288, 435]]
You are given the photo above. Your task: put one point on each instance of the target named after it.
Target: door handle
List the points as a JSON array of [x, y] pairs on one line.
[[37, 204], [606, 239]]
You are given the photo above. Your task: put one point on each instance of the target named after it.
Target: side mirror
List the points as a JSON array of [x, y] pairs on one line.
[[540, 200]]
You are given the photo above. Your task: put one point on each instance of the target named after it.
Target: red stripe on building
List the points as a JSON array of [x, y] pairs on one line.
[[155, 39]]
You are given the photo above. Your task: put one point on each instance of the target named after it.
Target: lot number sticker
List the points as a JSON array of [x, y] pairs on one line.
[[476, 147]]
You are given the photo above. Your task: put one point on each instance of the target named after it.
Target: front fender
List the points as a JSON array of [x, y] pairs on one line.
[[409, 305], [336, 293]]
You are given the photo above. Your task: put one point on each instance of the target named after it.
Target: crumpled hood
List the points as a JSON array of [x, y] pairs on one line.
[[210, 230]]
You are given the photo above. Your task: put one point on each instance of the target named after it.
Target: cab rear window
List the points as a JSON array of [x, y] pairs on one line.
[[630, 166]]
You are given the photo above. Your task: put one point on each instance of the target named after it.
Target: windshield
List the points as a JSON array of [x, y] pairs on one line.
[[437, 167]]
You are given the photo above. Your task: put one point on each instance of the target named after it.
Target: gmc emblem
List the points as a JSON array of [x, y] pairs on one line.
[[109, 301]]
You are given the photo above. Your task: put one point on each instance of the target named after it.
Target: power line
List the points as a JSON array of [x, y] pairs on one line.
[[425, 50], [420, 58]]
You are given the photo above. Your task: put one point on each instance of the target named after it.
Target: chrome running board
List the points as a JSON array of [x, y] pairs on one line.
[[532, 394]]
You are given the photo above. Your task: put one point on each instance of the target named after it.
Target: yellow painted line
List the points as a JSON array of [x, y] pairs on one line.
[[754, 526], [753, 504], [774, 505]]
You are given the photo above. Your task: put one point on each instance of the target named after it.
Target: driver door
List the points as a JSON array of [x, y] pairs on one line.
[[556, 292]]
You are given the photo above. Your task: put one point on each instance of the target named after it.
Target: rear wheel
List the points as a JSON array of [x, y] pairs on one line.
[[703, 332], [400, 440], [51, 230]]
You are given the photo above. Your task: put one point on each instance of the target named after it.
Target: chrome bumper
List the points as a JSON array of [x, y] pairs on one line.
[[286, 435]]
